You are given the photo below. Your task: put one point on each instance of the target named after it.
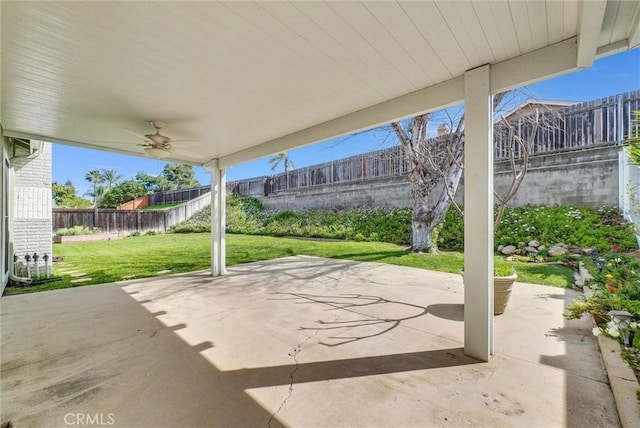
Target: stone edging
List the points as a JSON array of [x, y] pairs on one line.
[[622, 380]]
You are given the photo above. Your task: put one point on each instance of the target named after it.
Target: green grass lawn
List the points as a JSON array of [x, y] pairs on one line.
[[146, 256], [161, 207]]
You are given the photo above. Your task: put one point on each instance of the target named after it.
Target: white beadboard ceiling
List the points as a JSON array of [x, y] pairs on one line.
[[235, 77]]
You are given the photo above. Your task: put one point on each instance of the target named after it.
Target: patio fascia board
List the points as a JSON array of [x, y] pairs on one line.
[[553, 60]]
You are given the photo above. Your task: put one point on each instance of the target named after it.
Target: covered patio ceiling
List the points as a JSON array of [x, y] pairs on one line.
[[242, 80]]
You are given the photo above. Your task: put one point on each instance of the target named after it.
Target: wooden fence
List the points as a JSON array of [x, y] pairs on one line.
[[181, 195], [128, 221], [603, 122], [137, 204]]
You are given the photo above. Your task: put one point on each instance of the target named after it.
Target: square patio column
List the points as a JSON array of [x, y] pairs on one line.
[[478, 219], [218, 217]]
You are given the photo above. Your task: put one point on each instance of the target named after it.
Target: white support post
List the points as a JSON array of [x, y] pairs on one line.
[[478, 220], [218, 216]]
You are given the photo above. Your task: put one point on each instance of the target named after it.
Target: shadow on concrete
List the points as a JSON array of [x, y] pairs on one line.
[[378, 322], [580, 347], [104, 353], [351, 368]]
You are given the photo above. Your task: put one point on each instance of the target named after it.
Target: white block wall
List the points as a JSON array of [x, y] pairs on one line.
[[32, 214]]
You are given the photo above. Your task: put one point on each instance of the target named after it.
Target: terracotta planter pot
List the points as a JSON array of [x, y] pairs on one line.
[[611, 288], [502, 287]]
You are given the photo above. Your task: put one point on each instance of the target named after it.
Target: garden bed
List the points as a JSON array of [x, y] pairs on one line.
[[85, 238]]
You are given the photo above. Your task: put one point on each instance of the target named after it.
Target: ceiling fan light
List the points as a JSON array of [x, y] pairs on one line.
[[156, 153]]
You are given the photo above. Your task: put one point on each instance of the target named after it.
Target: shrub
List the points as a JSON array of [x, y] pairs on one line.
[[121, 193], [583, 227]]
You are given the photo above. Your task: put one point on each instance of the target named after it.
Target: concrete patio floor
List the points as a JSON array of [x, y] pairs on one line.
[[301, 342]]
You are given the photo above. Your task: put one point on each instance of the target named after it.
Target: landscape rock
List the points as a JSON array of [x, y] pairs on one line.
[[530, 250], [558, 250], [508, 250], [541, 247], [534, 244], [500, 247]]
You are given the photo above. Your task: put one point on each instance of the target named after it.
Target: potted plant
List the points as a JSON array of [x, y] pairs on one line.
[[504, 276]]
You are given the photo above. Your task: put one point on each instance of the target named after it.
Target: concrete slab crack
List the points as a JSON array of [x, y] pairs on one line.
[[293, 354]]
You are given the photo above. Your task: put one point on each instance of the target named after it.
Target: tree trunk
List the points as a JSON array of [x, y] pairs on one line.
[[425, 219], [421, 227]]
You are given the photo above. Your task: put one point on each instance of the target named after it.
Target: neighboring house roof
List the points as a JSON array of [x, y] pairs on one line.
[[530, 105]]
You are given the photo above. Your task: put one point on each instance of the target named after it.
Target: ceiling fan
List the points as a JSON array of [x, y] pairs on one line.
[[159, 146]]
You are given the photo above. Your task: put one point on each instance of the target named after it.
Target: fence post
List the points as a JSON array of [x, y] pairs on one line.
[[620, 120], [331, 181]]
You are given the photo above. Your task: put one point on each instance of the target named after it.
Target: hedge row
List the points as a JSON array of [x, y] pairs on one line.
[[583, 227]]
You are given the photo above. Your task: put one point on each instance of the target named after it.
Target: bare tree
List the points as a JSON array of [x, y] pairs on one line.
[[516, 141], [436, 165], [435, 168]]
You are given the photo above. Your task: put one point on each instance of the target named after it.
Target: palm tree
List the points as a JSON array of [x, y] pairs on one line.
[[281, 158], [95, 178], [111, 177]]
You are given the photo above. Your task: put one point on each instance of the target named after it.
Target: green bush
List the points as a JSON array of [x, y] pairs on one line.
[[121, 193], [602, 229]]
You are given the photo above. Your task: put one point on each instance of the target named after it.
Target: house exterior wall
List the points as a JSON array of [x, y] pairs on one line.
[[4, 214], [32, 202]]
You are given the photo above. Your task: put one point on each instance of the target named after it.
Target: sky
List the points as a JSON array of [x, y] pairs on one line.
[[608, 76]]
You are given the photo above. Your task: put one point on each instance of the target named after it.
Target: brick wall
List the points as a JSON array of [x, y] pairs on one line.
[[32, 204]]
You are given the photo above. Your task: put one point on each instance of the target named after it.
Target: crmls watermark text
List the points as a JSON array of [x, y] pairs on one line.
[[87, 419]]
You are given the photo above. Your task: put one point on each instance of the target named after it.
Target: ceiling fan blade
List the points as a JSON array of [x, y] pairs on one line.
[[128, 131]]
